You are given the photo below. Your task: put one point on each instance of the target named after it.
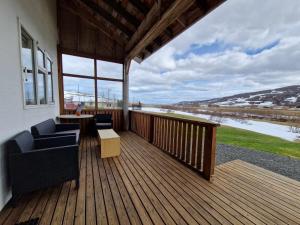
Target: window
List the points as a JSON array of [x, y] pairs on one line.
[[28, 71], [79, 91], [36, 71], [109, 70], [80, 78], [109, 94], [78, 65]]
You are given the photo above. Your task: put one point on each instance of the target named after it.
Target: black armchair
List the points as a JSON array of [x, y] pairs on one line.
[[41, 163], [49, 128], [103, 121]]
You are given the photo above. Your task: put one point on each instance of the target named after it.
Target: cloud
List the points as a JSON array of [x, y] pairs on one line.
[[239, 47]]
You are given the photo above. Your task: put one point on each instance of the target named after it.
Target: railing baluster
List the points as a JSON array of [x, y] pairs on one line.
[[183, 146], [188, 144], [199, 148], [194, 145]]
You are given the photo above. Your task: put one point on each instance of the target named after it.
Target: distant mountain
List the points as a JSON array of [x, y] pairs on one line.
[[285, 96]]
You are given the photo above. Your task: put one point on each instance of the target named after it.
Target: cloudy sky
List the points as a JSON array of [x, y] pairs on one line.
[[242, 46]]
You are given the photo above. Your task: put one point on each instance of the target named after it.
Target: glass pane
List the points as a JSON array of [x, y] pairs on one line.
[[29, 86], [78, 65], [109, 70], [50, 81], [41, 58], [50, 89], [109, 94], [79, 90], [41, 87], [27, 68]]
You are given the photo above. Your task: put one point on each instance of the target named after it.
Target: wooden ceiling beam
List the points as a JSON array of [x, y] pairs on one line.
[[177, 8], [107, 16], [181, 22], [117, 6], [146, 24], [76, 8], [203, 4], [140, 6]]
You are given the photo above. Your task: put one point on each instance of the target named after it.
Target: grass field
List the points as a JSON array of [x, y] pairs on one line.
[[252, 140]]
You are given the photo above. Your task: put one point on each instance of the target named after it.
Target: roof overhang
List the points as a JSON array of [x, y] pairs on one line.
[[123, 30]]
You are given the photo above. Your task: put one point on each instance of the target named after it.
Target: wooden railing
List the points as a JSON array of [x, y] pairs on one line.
[[117, 116], [191, 142]]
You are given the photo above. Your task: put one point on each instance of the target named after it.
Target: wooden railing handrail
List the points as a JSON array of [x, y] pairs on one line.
[[191, 121]]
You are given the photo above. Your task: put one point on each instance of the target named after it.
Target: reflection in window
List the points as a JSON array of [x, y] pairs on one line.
[[78, 65], [50, 81], [109, 94], [78, 90], [27, 68], [41, 87], [109, 70]]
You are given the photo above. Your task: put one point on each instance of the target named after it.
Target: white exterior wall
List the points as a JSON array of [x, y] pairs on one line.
[[39, 19]]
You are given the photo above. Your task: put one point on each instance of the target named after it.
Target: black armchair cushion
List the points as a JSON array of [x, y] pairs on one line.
[[103, 121], [46, 127], [66, 127], [103, 118], [21, 143], [54, 141], [69, 132]]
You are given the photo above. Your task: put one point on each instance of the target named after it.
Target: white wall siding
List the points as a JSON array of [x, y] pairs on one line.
[[39, 19]]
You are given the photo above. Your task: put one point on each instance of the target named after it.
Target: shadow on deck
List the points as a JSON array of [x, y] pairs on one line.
[[146, 186]]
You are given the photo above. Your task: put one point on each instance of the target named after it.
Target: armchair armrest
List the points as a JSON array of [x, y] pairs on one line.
[[41, 168], [67, 126], [56, 141]]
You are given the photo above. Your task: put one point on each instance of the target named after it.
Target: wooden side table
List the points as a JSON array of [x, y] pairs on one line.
[[109, 142]]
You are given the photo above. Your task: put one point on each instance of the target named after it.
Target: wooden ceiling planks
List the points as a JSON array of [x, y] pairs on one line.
[[116, 30]]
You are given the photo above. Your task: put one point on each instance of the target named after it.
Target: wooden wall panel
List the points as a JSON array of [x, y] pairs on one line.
[[78, 37], [68, 30], [87, 38]]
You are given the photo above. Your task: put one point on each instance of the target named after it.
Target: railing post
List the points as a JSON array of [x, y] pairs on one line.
[[209, 152], [151, 129]]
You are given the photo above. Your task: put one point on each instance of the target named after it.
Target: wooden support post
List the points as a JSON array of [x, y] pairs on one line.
[[126, 67], [209, 152]]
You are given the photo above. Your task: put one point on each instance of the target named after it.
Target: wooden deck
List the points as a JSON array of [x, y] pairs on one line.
[[146, 186]]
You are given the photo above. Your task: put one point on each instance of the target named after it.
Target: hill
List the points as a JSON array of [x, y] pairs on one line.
[[285, 96]]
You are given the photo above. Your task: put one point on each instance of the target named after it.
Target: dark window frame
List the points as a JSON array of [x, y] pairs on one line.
[[95, 77]]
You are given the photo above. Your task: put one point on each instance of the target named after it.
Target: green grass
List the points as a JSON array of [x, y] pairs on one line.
[[256, 141], [252, 140]]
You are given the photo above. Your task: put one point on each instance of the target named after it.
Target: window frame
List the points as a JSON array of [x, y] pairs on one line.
[[35, 70], [44, 72], [52, 102], [95, 77]]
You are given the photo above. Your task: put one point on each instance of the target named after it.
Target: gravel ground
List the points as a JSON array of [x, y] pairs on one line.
[[286, 166]]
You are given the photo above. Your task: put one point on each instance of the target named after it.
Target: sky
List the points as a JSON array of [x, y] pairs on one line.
[[242, 46]]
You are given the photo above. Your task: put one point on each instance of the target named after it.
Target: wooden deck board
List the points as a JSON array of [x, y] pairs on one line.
[[146, 186]]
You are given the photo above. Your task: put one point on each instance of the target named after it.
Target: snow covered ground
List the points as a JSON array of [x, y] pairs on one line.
[[272, 129]]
